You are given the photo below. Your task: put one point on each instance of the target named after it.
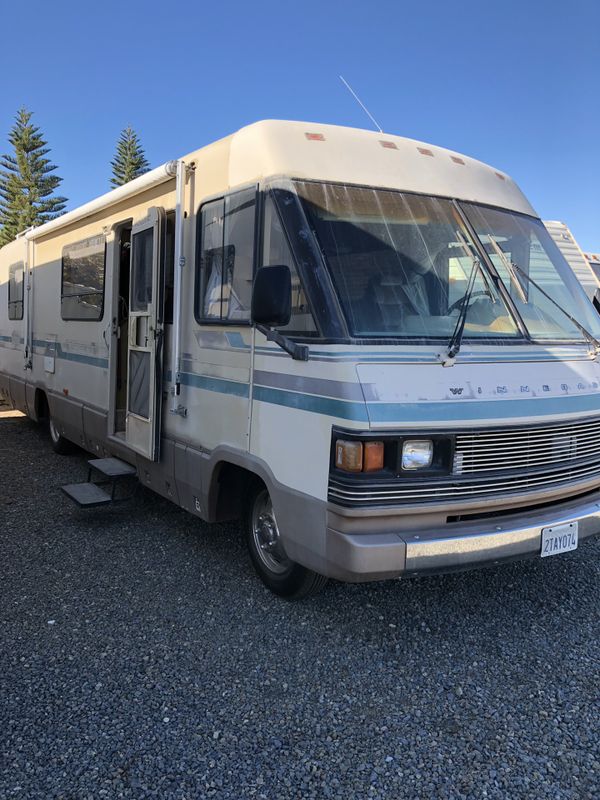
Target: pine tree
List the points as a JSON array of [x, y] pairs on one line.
[[26, 184], [130, 160]]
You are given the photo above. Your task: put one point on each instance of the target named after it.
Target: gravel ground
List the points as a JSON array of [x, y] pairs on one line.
[[140, 657]]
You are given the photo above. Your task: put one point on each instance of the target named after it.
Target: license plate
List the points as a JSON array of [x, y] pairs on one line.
[[559, 539]]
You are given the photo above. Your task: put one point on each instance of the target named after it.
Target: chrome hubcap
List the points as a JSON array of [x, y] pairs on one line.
[[54, 434], [266, 536]]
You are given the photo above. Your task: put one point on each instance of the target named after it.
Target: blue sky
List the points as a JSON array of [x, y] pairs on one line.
[[515, 84]]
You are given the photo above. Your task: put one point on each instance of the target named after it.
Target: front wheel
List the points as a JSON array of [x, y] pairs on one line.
[[279, 573], [59, 443]]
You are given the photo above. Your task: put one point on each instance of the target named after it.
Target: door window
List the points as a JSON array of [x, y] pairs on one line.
[[142, 259], [15, 291]]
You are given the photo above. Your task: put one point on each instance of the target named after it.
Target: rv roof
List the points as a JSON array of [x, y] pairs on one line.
[[332, 153]]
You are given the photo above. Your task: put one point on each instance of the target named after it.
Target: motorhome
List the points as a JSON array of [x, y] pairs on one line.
[[367, 348]]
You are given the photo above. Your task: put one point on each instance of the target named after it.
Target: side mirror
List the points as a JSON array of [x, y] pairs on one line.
[[596, 300], [272, 296]]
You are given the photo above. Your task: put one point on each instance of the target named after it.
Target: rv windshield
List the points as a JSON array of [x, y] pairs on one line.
[[514, 239], [401, 264]]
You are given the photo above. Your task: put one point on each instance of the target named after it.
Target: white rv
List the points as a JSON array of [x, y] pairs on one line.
[[368, 348]]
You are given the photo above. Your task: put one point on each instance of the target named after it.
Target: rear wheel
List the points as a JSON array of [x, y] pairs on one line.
[[59, 443], [279, 573]]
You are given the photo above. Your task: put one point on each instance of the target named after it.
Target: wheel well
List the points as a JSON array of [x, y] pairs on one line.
[[229, 489], [42, 411]]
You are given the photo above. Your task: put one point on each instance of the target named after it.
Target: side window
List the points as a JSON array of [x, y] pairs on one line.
[[83, 265], [276, 250], [15, 290], [226, 229]]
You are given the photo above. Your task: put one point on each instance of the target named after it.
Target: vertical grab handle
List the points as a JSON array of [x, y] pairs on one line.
[[133, 331]]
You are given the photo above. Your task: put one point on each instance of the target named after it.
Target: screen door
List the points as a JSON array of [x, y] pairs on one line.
[[145, 336]]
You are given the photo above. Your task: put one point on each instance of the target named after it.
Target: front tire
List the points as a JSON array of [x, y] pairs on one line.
[[280, 574], [59, 444]]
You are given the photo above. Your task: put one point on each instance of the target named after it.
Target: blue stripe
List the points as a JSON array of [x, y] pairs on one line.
[[211, 384], [311, 402], [426, 412], [236, 340], [482, 409], [65, 355], [91, 361]]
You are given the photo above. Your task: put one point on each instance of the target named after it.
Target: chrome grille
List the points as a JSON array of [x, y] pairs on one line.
[[524, 448], [417, 492], [490, 464]]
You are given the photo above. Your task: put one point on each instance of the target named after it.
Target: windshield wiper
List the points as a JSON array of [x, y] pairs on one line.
[[515, 270], [449, 358], [509, 267]]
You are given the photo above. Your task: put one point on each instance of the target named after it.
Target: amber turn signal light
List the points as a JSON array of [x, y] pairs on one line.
[[373, 456], [358, 456], [348, 455]]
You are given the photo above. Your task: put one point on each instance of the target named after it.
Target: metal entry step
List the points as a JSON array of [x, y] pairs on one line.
[[110, 472], [87, 495], [111, 468]]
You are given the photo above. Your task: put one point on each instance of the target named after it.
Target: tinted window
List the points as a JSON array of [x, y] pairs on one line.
[[15, 291], [83, 265], [226, 257]]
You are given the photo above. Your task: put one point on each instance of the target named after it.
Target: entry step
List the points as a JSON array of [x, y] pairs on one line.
[[87, 495], [112, 467]]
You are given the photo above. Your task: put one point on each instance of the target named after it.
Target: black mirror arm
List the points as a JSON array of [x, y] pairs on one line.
[[299, 352]]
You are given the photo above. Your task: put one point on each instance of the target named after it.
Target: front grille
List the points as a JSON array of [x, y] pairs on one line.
[[489, 464], [522, 448]]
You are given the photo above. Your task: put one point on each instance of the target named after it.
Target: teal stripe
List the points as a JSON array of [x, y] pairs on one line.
[[425, 412], [481, 409], [91, 361], [79, 358], [313, 403], [211, 384]]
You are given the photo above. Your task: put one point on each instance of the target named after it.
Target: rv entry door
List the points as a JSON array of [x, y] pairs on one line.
[[145, 335]]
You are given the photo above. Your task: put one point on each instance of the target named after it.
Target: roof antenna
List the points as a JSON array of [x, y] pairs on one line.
[[361, 104]]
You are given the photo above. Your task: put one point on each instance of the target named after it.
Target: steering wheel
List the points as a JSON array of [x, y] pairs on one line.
[[460, 301]]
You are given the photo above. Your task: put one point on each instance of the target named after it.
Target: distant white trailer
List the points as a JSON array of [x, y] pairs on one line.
[[593, 260], [574, 255]]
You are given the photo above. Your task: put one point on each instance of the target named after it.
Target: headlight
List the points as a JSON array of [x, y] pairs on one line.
[[417, 454]]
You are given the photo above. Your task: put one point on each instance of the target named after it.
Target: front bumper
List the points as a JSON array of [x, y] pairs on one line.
[[375, 555]]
